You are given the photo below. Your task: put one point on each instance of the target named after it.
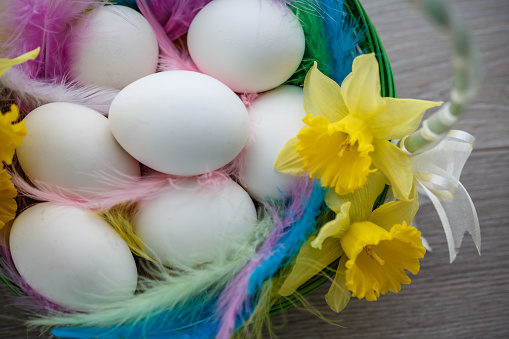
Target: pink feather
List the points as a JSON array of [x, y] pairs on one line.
[[174, 16], [123, 189]]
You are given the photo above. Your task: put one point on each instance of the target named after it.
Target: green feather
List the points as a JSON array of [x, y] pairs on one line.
[[311, 18], [162, 289]]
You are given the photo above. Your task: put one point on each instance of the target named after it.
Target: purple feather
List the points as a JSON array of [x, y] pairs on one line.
[[171, 56], [48, 24], [174, 16]]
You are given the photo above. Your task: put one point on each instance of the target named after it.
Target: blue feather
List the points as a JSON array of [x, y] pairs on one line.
[[175, 322], [341, 37], [290, 244]]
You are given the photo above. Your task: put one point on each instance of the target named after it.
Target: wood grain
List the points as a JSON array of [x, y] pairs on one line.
[[466, 299]]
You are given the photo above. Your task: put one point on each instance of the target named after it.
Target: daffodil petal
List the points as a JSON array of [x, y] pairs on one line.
[[322, 96], [288, 160], [362, 199], [395, 165], [338, 296], [8, 205], [334, 228], [309, 262], [5, 64], [361, 88], [11, 134], [395, 212], [400, 117]]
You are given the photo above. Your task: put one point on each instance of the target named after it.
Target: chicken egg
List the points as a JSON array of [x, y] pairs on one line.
[[72, 257]]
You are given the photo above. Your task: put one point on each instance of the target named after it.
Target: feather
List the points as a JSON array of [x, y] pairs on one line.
[[331, 38], [50, 25], [174, 16], [172, 295], [310, 15], [120, 219], [171, 57], [342, 38], [121, 187], [279, 248], [31, 93], [26, 297], [127, 189]]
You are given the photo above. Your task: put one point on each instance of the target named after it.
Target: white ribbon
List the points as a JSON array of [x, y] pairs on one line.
[[437, 172]]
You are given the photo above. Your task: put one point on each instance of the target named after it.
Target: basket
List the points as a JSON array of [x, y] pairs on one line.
[[223, 309]]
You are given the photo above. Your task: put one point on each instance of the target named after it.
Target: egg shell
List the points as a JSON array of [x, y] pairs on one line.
[[250, 45], [191, 225], [72, 257], [117, 47], [72, 146], [180, 122], [276, 117]]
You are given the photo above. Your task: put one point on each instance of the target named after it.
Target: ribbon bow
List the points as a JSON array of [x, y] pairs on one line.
[[437, 172]]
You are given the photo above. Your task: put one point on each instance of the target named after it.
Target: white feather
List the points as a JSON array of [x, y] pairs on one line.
[[36, 93]]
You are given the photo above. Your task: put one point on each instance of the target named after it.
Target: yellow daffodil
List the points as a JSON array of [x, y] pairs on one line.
[[376, 247], [348, 129], [11, 134]]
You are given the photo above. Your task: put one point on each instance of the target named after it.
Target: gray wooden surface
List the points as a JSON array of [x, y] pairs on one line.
[[466, 299]]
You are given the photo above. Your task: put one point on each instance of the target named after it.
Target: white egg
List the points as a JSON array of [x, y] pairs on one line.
[[72, 256], [192, 225], [250, 45], [115, 47], [180, 122], [276, 117], [71, 146]]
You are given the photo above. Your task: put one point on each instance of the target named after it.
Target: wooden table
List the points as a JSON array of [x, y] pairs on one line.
[[466, 299]]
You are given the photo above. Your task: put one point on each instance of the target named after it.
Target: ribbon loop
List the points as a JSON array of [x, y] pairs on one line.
[[437, 172]]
